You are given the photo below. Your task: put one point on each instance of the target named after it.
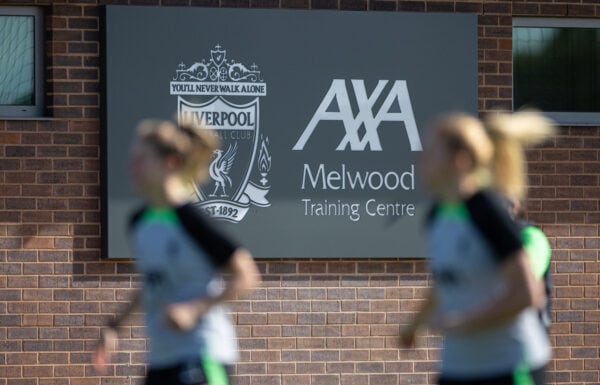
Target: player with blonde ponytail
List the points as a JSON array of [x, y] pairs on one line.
[[513, 133], [484, 298]]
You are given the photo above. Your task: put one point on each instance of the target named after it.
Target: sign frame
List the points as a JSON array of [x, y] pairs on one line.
[[320, 144]]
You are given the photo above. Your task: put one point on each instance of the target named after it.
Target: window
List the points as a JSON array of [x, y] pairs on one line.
[[21, 62], [556, 68]]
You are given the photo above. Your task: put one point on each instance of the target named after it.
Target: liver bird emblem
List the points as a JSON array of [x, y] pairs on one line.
[[219, 169]]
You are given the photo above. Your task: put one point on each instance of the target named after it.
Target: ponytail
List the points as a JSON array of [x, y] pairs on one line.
[[511, 133]]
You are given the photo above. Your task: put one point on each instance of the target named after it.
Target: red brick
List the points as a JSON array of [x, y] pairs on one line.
[[53, 358], [468, 7], [487, 43], [411, 6], [382, 5], [312, 268], [553, 9], [578, 10], [525, 9], [439, 6], [352, 5], [370, 267], [20, 125]]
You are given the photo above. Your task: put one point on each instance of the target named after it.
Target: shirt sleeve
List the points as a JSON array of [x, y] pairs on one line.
[[431, 213], [217, 246], [135, 217], [538, 248], [495, 223]]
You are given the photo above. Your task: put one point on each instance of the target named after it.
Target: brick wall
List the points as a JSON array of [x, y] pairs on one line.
[[316, 322]]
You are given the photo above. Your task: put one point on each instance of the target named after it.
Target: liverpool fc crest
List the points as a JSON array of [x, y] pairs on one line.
[[223, 95]]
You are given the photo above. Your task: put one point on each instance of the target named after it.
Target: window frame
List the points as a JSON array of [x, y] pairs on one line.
[[565, 118], [38, 108]]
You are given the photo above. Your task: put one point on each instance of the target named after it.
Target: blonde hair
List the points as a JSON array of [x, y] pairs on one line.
[[194, 145], [497, 146], [462, 132], [511, 134]]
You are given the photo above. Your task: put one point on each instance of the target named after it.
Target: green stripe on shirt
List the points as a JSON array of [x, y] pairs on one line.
[[538, 249], [160, 215]]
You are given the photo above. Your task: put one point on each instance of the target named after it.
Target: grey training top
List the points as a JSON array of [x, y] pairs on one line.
[[467, 244], [179, 255]]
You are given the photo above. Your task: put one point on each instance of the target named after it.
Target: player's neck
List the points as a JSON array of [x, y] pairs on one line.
[[460, 189], [173, 192]]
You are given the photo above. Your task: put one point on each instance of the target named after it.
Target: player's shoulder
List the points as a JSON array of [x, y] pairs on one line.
[[486, 199], [189, 214], [136, 216]]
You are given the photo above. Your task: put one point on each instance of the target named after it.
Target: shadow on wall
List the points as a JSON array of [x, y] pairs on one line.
[[65, 252]]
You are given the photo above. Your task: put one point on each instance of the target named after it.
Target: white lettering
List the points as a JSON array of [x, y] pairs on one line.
[[392, 175], [377, 175], [338, 93], [333, 176], [243, 120], [314, 180], [337, 208], [356, 180], [389, 209]]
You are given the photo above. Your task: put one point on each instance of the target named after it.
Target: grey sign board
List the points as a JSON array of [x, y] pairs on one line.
[[321, 114]]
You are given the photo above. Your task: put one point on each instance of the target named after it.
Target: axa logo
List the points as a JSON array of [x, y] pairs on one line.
[[396, 107]]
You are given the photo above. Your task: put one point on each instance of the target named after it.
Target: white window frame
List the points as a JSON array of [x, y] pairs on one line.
[[565, 118]]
